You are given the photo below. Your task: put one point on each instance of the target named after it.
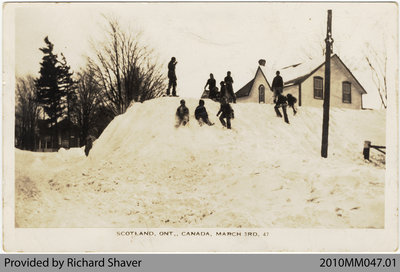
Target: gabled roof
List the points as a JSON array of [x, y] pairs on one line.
[[344, 65], [245, 90], [297, 73]]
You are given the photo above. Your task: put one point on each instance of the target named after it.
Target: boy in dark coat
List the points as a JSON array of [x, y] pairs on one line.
[[291, 101], [182, 114], [281, 102], [212, 87], [222, 94], [229, 86], [277, 85], [172, 76], [201, 114], [227, 112]]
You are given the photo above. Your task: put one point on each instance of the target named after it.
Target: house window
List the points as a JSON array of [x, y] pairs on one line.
[[318, 88], [346, 90], [261, 94]]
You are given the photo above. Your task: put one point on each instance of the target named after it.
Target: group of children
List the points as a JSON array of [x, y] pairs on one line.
[[225, 95], [225, 113], [226, 88]]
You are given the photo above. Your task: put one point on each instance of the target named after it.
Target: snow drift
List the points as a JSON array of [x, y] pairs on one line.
[[144, 172]]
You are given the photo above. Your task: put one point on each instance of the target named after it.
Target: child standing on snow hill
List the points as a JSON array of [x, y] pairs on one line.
[[227, 112], [201, 114], [222, 94], [182, 114], [212, 87], [281, 102], [291, 101], [277, 85], [229, 86], [172, 76]]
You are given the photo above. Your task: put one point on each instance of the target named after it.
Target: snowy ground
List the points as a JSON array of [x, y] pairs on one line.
[[143, 172]]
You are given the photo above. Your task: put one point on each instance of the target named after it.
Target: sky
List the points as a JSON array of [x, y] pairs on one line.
[[215, 37]]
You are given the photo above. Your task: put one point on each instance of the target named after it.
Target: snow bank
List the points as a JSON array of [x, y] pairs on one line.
[[144, 172]]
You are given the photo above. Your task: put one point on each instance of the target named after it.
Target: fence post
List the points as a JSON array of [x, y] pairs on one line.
[[367, 146]]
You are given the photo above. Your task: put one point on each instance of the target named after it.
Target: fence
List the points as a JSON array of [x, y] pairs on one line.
[[368, 146]]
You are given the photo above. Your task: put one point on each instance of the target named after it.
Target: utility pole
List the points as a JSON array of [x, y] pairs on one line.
[[325, 121]]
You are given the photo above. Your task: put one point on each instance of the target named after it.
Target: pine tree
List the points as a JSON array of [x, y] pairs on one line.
[[68, 86], [49, 94]]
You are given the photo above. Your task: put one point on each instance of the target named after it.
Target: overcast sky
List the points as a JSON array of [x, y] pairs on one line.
[[215, 37]]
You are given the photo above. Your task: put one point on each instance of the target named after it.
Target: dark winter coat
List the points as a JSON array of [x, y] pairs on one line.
[[291, 100], [228, 80], [281, 100], [200, 112], [223, 90], [226, 110], [277, 82], [211, 82], [228, 83], [181, 111], [171, 70]]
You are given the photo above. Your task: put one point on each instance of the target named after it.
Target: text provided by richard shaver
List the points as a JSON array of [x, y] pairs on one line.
[[77, 262]]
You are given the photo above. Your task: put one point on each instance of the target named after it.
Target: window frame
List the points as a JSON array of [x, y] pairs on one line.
[[261, 88], [321, 89], [346, 101]]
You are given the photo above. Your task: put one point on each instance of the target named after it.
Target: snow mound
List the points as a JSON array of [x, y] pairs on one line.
[[146, 132], [144, 172]]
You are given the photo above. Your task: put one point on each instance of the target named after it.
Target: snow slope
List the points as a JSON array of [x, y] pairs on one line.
[[143, 172]]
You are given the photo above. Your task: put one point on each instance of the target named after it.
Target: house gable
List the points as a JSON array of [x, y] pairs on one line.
[[339, 74], [251, 91]]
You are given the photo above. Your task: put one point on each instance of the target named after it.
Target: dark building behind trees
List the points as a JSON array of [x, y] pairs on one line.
[[58, 109]]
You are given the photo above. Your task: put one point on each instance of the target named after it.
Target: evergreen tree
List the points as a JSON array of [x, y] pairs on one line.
[[49, 94], [68, 86]]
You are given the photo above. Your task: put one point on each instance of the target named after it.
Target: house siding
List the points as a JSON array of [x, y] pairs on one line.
[[253, 96], [339, 74]]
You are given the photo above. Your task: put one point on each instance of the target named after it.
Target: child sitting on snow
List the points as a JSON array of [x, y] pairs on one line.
[[201, 114], [182, 114]]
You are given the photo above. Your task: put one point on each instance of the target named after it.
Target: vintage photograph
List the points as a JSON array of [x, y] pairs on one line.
[[226, 116]]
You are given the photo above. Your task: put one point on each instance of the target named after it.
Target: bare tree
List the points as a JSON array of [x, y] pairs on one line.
[[88, 101], [126, 69], [377, 61], [26, 113]]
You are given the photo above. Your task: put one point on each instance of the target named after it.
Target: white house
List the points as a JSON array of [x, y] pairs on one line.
[[257, 90], [306, 82]]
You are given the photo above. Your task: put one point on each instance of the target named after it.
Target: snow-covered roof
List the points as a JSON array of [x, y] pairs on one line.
[[299, 72]]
